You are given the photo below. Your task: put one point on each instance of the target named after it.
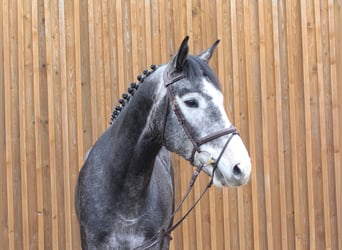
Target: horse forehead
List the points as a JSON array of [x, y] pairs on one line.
[[212, 91]]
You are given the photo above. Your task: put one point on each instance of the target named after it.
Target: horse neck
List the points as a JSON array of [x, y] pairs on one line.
[[138, 143]]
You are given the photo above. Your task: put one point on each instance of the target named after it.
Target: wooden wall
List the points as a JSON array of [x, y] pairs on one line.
[[64, 64]]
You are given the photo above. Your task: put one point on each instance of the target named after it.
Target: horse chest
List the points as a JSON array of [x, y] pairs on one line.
[[126, 240], [129, 234]]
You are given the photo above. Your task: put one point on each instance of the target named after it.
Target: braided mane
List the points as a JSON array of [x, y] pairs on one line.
[[130, 92]]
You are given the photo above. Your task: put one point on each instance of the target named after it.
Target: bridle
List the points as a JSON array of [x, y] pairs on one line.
[[166, 230], [196, 142]]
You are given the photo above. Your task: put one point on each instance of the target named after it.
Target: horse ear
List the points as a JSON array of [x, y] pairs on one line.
[[179, 59], [206, 55]]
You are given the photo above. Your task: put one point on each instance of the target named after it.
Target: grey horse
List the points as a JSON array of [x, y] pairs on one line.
[[125, 192]]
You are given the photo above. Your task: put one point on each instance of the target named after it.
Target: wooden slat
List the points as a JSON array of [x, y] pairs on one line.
[[22, 123], [148, 32], [120, 46], [8, 125], [163, 35], [265, 131], [71, 115], [251, 114], [78, 80], [308, 131], [3, 171], [79, 119], [336, 108], [92, 71], [51, 117], [38, 128], [292, 95], [65, 127], [323, 129], [99, 69], [280, 136]]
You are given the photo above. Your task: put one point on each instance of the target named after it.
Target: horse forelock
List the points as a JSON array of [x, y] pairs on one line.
[[195, 69]]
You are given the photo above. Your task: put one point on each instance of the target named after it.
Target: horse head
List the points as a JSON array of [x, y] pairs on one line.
[[192, 120]]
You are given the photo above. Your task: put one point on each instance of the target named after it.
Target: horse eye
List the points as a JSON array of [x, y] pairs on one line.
[[192, 103]]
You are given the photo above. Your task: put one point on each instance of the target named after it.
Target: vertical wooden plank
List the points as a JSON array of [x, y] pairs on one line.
[[51, 118], [101, 117], [134, 34], [155, 29], [13, 35], [127, 39], [137, 22], [220, 36], [76, 165], [78, 80], [120, 46], [235, 63], [8, 125], [164, 57], [322, 123], [335, 58], [308, 131], [189, 24], [30, 126], [178, 29], [22, 124], [251, 113], [162, 25], [170, 30], [71, 97], [38, 131], [55, 116], [148, 31], [92, 70], [65, 126], [265, 128], [279, 118], [112, 45], [3, 171], [293, 131], [106, 62]]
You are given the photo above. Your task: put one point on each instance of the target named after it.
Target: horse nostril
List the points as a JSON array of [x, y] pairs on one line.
[[237, 171]]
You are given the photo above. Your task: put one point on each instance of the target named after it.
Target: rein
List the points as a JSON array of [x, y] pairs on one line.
[[167, 229]]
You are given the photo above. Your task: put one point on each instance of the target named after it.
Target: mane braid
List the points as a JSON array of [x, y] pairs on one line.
[[130, 92]]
